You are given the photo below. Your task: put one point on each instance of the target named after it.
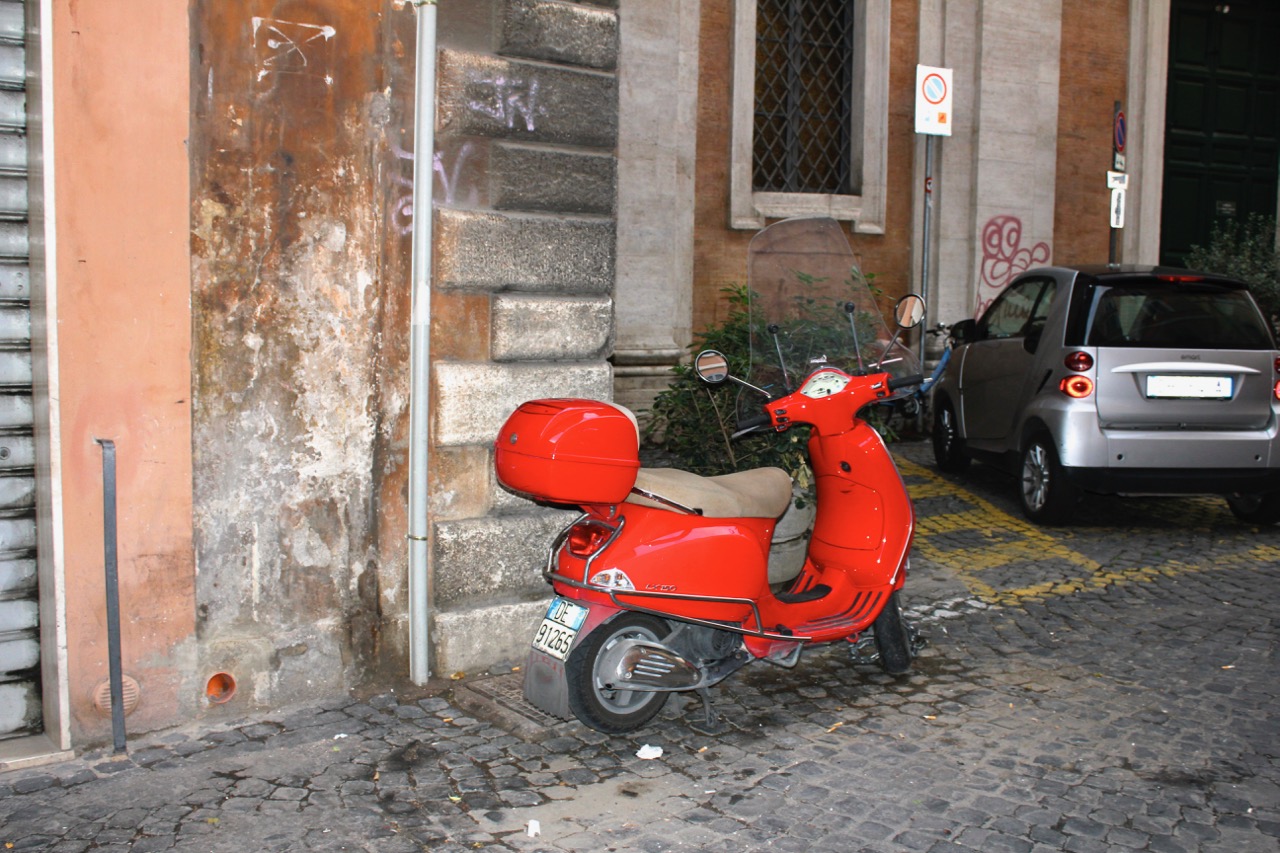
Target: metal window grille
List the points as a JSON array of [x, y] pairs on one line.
[[804, 96]]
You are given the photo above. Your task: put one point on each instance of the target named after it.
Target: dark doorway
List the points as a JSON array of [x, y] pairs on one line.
[[1220, 149]]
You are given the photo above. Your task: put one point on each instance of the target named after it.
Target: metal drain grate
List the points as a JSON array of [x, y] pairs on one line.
[[501, 698]]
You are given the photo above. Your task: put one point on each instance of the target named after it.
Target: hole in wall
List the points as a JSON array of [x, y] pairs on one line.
[[220, 688]]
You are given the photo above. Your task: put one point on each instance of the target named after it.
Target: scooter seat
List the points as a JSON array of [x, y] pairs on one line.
[[758, 493]]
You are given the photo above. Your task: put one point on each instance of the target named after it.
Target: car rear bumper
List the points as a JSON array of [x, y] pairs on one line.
[[1174, 481], [1170, 461]]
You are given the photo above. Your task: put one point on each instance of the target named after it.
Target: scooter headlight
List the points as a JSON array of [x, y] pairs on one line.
[[613, 579]]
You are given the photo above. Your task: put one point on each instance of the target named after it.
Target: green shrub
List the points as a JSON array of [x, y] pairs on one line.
[[1247, 251], [692, 423]]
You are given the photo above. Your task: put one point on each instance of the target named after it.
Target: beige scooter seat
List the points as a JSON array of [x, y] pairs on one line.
[[759, 493]]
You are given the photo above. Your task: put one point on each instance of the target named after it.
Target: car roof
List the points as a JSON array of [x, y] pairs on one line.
[[1129, 272]]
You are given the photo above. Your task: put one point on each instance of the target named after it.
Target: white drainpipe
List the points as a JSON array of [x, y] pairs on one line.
[[424, 143]]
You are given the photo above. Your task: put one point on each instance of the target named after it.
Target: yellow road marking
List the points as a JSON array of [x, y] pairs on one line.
[[993, 539]]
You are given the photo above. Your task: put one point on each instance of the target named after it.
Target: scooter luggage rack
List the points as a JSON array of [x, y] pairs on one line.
[[613, 594]]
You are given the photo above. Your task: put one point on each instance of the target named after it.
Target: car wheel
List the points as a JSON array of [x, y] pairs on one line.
[[1047, 497], [1256, 509], [600, 704], [948, 446]]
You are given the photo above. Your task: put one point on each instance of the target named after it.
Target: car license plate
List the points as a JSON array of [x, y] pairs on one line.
[[1190, 387], [556, 633]]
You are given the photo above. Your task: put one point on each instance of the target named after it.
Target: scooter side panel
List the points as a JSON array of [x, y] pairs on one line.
[[666, 553]]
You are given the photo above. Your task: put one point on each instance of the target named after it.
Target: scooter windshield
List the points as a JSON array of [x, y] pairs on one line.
[[811, 305]]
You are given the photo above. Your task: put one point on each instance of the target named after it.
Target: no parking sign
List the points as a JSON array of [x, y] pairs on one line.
[[933, 100]]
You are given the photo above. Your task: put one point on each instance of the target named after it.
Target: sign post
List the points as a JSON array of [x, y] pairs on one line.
[[1117, 179], [933, 118]]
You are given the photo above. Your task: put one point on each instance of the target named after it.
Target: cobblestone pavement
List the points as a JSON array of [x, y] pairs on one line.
[[1105, 687]]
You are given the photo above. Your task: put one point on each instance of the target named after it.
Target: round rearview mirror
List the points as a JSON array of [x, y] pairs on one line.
[[712, 367], [909, 311]]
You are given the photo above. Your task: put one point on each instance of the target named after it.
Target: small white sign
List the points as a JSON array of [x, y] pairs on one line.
[[1117, 181], [933, 100], [1117, 208]]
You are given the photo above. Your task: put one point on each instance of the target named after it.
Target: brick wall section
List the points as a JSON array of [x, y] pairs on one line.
[[522, 291], [720, 253], [1094, 65]]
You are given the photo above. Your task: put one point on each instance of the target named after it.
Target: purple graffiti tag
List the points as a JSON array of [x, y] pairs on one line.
[[507, 100], [447, 191], [451, 179], [1004, 256]]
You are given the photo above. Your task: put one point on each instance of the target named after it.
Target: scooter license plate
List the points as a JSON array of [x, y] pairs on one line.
[[556, 633]]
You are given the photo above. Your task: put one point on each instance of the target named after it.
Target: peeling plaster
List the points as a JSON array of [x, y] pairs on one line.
[[290, 258]]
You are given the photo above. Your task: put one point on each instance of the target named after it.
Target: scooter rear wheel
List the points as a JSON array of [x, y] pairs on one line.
[[893, 638], [592, 698]]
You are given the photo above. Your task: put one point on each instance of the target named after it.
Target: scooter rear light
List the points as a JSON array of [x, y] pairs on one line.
[[612, 578], [587, 537], [1076, 386], [1079, 362]]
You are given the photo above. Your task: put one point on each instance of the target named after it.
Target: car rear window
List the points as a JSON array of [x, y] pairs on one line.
[[1194, 315]]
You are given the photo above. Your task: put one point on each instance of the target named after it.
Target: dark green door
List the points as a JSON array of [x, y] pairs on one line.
[[1220, 148]]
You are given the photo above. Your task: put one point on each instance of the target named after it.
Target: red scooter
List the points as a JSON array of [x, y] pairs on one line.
[[662, 584]]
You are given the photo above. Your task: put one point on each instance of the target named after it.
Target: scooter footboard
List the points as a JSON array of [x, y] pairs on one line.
[[545, 685]]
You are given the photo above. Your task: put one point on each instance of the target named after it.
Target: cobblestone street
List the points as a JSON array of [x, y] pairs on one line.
[[1106, 686]]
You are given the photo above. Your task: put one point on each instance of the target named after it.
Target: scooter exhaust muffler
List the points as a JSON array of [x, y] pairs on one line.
[[645, 665]]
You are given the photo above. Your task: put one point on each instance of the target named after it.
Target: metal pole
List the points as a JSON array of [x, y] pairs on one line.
[[113, 591], [927, 235], [424, 145]]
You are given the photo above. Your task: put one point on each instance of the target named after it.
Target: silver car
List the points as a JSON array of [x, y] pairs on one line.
[[1117, 380]]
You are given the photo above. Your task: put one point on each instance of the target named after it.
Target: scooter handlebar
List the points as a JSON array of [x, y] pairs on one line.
[[754, 422], [904, 381]]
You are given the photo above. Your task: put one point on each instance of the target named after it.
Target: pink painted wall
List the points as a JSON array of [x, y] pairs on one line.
[[123, 279]]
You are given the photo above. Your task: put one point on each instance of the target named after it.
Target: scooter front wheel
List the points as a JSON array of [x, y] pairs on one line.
[[893, 638], [593, 698]]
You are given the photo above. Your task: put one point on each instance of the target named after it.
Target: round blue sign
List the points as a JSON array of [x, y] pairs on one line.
[[1119, 132]]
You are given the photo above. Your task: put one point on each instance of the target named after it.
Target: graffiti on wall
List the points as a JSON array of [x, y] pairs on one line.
[[1004, 256], [288, 47], [450, 188], [507, 100]]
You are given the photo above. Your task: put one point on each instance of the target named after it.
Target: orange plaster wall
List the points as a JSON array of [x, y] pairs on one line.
[[123, 279]]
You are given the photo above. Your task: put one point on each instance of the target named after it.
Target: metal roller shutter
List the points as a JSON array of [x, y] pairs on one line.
[[20, 708]]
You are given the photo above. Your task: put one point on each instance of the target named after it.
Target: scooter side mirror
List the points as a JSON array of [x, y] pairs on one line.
[[908, 311], [711, 366]]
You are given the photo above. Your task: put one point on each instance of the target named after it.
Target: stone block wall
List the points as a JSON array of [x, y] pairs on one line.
[[522, 302]]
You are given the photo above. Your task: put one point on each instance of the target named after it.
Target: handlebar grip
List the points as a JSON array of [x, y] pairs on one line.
[[752, 423], [904, 381]]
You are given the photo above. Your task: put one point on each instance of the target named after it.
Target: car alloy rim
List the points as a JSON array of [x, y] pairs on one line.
[[948, 430], [1035, 477]]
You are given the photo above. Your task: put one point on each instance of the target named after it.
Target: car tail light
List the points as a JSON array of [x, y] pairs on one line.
[[1277, 364], [1179, 278], [1079, 362], [587, 537], [1277, 389], [1076, 386]]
